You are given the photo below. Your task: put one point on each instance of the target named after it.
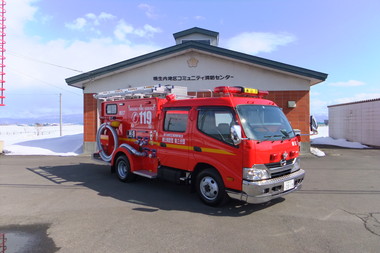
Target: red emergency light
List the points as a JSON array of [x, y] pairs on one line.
[[240, 90]]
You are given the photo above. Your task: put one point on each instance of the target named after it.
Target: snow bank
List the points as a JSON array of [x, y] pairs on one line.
[[322, 138], [317, 152], [42, 140], [338, 142]]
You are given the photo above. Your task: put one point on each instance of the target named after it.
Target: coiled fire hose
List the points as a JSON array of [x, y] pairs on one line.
[[103, 155]]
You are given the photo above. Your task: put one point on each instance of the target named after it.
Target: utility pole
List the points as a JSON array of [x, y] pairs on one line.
[[60, 114]]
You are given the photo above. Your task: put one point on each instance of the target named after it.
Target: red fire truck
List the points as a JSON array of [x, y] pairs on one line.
[[234, 143]]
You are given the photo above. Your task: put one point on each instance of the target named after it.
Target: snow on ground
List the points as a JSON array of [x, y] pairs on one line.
[[322, 138], [42, 140]]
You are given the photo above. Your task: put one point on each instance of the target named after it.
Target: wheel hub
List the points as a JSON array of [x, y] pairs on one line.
[[122, 168], [209, 188]]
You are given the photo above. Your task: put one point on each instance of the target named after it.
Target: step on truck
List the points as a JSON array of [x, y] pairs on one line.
[[233, 143]]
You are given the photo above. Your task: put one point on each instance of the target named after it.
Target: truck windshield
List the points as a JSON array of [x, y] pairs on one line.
[[264, 122]]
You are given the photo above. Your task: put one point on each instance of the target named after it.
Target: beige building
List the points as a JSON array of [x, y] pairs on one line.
[[197, 62], [357, 121]]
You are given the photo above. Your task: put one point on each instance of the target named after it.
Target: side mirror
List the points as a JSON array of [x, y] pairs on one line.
[[236, 134], [313, 125]]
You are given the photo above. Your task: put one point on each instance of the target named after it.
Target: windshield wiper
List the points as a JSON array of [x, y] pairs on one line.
[[285, 133], [268, 137]]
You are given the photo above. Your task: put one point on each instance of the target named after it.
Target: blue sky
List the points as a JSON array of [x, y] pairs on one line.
[[47, 40]]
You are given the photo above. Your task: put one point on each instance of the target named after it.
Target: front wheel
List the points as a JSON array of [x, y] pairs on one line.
[[210, 187], [123, 169]]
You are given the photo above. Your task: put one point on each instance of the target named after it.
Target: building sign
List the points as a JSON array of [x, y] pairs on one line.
[[192, 78]]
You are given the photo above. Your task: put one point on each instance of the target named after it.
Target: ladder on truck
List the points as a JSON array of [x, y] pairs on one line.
[[143, 92]]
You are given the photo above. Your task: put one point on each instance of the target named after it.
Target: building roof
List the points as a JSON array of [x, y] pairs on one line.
[[79, 80], [356, 102], [195, 30]]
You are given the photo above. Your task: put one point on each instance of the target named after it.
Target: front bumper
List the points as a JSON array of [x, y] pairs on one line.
[[266, 190]]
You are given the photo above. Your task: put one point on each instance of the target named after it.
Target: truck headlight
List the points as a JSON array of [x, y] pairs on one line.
[[256, 173]]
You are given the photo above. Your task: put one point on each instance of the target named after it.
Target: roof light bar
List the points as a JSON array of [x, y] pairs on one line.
[[240, 90]]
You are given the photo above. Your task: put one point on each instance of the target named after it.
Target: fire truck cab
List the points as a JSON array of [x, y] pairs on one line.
[[234, 144]]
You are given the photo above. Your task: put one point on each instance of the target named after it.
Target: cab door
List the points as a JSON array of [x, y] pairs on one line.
[[212, 143], [173, 146]]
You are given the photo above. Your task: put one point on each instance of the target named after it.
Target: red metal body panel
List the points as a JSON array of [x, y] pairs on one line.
[[268, 151]]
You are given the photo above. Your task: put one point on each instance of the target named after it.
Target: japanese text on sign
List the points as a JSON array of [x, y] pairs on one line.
[[192, 78], [174, 138]]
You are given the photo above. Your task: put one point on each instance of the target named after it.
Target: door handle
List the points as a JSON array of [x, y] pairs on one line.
[[198, 149]]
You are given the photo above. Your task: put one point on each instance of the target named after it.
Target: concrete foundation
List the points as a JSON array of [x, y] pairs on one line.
[[89, 148]]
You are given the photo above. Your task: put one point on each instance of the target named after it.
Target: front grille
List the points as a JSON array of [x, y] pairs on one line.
[[276, 170], [278, 165], [281, 173]]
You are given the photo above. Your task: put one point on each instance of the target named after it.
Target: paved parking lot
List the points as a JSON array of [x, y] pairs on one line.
[[72, 204]]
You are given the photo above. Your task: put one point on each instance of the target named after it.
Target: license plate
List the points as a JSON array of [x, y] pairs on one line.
[[288, 185]]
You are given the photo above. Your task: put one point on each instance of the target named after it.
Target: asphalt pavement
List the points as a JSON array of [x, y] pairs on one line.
[[74, 204]]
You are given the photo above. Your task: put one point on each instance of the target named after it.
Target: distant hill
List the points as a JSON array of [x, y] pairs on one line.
[[321, 117], [72, 119]]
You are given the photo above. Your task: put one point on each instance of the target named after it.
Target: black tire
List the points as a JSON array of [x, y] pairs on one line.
[[123, 169], [210, 187]]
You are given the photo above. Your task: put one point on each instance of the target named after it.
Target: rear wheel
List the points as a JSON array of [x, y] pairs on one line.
[[210, 187], [123, 169]]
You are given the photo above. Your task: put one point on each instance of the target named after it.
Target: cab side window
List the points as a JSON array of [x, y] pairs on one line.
[[176, 120], [216, 122]]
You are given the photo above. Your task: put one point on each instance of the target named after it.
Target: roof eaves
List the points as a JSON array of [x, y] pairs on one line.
[[355, 102]]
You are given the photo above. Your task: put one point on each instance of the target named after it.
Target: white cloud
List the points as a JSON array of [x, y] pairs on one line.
[[106, 16], [257, 42], [123, 29], [89, 20], [357, 97], [350, 83], [19, 13], [149, 31], [199, 18], [149, 10], [103, 16], [90, 16], [77, 24]]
